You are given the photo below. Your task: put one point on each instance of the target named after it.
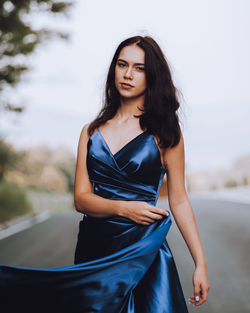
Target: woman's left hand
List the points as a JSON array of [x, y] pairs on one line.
[[201, 286]]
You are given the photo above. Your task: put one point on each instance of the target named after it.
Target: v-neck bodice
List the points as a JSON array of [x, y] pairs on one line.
[[135, 172], [124, 147]]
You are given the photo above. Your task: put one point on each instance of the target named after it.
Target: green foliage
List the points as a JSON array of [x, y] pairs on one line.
[[9, 158], [38, 189], [13, 202], [70, 179], [18, 37]]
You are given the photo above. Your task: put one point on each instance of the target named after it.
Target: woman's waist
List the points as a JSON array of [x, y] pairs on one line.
[[119, 193]]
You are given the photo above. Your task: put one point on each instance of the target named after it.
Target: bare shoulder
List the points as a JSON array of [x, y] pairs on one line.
[[84, 136], [82, 143], [84, 132]]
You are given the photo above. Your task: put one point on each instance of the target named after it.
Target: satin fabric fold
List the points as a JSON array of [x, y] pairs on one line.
[[120, 266]]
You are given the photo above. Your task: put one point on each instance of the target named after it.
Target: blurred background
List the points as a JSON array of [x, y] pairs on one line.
[[54, 58]]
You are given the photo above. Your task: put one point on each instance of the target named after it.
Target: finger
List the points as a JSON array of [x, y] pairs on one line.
[[204, 292], [145, 222], [148, 219], [160, 211], [155, 216], [191, 300], [196, 293]]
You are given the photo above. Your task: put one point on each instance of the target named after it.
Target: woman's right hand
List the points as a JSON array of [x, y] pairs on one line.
[[142, 212]]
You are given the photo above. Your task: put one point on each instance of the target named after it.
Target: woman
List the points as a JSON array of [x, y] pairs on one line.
[[122, 164], [123, 263]]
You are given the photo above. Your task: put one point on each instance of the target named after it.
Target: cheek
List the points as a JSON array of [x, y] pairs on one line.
[[117, 75], [116, 81], [118, 70]]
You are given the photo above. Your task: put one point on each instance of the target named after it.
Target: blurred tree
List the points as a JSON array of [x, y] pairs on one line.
[[18, 37], [70, 178], [230, 183], [9, 158]]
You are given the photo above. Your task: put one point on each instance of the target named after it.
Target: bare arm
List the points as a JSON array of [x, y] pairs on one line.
[[84, 199], [182, 211]]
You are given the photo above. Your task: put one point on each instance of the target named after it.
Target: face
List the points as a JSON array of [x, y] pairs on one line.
[[130, 69]]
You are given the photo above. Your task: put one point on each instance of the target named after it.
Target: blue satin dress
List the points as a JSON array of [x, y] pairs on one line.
[[120, 266]]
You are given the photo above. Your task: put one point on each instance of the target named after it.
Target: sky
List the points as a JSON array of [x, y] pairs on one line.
[[205, 42]]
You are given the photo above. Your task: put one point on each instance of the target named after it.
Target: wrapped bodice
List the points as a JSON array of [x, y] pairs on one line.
[[135, 172]]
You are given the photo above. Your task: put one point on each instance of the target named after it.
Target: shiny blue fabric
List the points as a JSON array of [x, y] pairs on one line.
[[120, 266]]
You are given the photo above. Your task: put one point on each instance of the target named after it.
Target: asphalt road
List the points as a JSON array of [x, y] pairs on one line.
[[225, 234]]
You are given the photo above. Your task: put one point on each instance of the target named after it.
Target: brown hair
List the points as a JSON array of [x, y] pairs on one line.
[[159, 114]]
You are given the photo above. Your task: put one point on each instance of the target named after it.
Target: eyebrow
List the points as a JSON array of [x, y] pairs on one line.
[[127, 62]]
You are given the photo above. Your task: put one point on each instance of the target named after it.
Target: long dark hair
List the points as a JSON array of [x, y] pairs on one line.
[[159, 114]]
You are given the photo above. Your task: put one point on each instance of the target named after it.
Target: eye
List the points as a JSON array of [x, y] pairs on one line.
[[121, 64], [140, 68]]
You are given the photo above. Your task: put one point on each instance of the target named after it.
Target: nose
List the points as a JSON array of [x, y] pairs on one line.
[[128, 73]]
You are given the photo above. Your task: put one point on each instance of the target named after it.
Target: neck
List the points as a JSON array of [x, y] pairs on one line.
[[130, 107]]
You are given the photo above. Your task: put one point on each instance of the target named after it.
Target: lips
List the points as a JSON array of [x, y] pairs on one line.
[[126, 85]]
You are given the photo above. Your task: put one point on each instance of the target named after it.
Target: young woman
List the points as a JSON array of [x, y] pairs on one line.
[[122, 158], [123, 263]]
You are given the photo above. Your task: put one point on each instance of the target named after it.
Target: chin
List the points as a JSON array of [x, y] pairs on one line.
[[130, 95]]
